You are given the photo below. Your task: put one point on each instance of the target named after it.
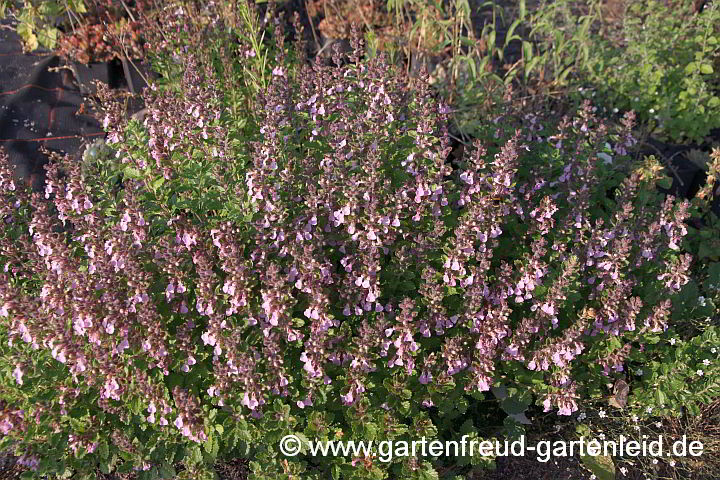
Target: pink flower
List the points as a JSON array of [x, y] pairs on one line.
[[17, 375], [5, 426]]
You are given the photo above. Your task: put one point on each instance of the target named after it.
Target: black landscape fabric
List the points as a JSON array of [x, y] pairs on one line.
[[43, 105]]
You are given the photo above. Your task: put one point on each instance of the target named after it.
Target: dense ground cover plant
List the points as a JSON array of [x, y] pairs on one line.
[[195, 289], [656, 58]]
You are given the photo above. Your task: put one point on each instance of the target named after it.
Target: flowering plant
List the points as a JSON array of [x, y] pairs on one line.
[[331, 277]]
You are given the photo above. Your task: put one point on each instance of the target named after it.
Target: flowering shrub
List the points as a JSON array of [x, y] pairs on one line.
[[183, 296]]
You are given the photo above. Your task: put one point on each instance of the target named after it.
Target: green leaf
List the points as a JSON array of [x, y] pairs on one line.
[[157, 183], [706, 69], [527, 51], [131, 172], [77, 5], [25, 30], [705, 251], [48, 37], [509, 35], [512, 400], [713, 279], [514, 429], [105, 467], [427, 472], [49, 9], [665, 182], [167, 471], [335, 472], [195, 455], [602, 466], [583, 430], [103, 450]]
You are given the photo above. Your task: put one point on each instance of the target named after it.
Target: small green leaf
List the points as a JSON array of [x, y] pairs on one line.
[[25, 30], [427, 472], [157, 183], [48, 37], [664, 182], [706, 69], [335, 472], [660, 397], [78, 6], [527, 51], [104, 468], [131, 172], [167, 471], [602, 466], [103, 450]]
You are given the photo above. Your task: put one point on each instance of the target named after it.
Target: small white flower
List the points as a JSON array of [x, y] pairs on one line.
[[602, 413], [593, 477], [615, 110], [639, 371], [648, 409], [672, 341], [652, 110], [602, 436], [713, 350], [700, 373], [706, 362], [623, 470], [671, 463], [655, 461], [658, 424], [701, 301], [634, 418]]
